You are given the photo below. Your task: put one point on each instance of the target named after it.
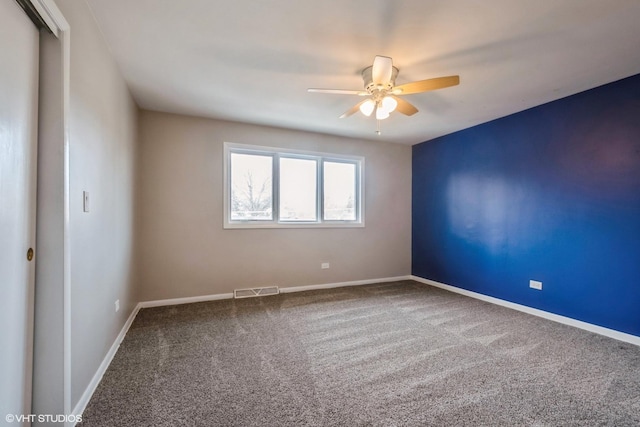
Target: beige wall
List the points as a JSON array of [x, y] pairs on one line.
[[184, 250], [102, 160]]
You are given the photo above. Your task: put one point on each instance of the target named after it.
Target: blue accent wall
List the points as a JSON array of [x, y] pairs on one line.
[[550, 194]]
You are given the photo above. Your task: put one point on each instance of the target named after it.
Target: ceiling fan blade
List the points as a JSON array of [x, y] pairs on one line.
[[339, 91], [426, 85], [405, 107], [352, 110], [382, 69]]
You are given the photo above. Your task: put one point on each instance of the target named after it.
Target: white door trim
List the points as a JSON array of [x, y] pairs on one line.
[[59, 26]]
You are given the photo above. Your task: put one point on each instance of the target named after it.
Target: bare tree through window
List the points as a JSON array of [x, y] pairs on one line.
[[251, 190]]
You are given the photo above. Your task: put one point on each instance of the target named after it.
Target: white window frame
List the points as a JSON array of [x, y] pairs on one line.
[[277, 153]]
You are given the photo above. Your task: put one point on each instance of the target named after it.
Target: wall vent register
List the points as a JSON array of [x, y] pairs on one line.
[[256, 292]]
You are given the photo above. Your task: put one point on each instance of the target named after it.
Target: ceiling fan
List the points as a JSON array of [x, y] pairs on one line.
[[383, 94]]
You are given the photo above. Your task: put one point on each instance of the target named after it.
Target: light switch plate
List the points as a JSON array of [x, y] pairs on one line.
[[85, 201], [534, 284]]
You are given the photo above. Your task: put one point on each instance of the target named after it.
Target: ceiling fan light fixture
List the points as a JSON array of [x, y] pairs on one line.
[[367, 107], [383, 95]]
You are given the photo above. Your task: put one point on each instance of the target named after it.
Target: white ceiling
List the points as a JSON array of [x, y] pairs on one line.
[[253, 60]]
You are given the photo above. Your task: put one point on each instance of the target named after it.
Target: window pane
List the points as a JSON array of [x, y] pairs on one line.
[[298, 179], [339, 191], [251, 189]]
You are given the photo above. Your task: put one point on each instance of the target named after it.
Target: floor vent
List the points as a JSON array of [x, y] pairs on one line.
[[255, 292]]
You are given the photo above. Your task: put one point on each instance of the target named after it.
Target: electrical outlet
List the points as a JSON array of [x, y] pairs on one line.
[[117, 305], [324, 265], [534, 284]]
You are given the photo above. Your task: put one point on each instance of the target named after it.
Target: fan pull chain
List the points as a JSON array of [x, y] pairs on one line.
[[378, 127]]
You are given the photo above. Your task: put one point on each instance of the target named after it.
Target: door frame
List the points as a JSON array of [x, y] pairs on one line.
[[59, 27]]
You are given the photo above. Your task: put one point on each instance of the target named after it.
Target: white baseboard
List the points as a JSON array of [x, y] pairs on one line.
[[213, 297], [97, 377], [343, 284], [611, 333], [186, 300]]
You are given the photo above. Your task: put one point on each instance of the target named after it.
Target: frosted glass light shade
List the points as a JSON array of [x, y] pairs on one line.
[[389, 104], [381, 113], [367, 107]]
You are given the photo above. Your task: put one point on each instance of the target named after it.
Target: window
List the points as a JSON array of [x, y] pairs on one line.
[[298, 186], [267, 187], [251, 189], [340, 191]]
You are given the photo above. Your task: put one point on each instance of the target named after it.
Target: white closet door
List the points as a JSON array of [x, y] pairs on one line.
[[19, 43]]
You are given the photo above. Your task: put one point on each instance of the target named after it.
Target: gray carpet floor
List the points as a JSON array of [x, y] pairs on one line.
[[388, 354]]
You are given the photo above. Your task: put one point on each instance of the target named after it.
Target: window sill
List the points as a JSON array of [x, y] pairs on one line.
[[328, 224]]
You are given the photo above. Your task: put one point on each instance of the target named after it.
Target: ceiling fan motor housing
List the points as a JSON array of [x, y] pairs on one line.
[[371, 87]]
